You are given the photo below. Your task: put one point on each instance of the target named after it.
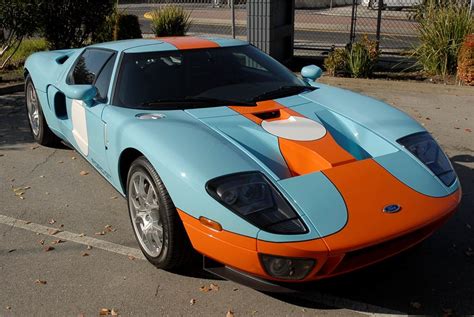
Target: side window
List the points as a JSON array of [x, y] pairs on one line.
[[88, 66], [102, 81]]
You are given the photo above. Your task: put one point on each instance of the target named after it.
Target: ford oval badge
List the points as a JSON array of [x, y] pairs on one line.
[[391, 209]]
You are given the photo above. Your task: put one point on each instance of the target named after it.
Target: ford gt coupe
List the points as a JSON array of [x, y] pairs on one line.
[[219, 148]]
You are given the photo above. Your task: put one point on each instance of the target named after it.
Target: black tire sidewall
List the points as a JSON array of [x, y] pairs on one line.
[[142, 165]]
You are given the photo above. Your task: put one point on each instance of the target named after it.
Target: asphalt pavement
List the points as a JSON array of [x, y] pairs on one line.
[[67, 247]]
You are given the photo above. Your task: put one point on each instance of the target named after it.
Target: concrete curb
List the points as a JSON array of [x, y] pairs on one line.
[[13, 88]]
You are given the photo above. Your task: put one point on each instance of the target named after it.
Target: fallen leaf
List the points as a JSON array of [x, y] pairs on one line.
[[131, 257], [60, 162], [214, 287], [51, 221], [204, 289], [457, 128], [57, 241], [101, 233], [19, 193], [104, 312], [109, 228], [235, 289], [89, 247], [41, 241], [230, 313], [48, 248], [468, 130], [41, 176], [27, 222], [42, 282], [53, 231], [428, 118], [83, 173], [34, 147], [8, 308], [415, 305], [21, 197], [113, 312], [192, 301], [26, 187], [82, 235], [84, 254], [113, 197], [11, 250], [73, 157], [61, 225]]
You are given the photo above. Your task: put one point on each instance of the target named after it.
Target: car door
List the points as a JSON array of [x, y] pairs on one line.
[[84, 127]]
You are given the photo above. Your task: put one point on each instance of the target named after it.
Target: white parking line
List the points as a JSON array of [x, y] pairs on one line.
[[318, 297], [70, 236]]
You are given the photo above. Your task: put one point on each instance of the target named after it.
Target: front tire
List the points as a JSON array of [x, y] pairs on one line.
[[38, 125], [155, 221]]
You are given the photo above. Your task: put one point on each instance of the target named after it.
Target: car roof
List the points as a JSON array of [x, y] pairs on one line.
[[168, 43]]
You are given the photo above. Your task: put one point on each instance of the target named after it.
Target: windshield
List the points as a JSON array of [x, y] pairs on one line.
[[238, 75]]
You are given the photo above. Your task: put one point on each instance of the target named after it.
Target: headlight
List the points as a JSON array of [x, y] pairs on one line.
[[425, 148], [251, 196]]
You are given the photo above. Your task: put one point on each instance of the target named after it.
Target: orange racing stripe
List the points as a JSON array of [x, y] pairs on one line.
[[188, 42], [302, 157]]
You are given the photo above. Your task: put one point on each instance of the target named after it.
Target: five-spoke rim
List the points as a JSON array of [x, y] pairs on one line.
[[33, 108], [144, 212]]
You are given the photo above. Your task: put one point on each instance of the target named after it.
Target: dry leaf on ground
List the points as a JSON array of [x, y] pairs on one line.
[[230, 313], [48, 248], [51, 221], [85, 254], [192, 301], [42, 282], [83, 173]]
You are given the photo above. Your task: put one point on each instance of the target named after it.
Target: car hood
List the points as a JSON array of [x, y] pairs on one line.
[[360, 134]]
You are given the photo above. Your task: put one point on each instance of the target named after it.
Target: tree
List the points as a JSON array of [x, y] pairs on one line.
[[70, 23], [18, 19]]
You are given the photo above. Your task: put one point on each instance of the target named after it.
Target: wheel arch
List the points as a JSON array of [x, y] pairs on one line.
[[126, 159]]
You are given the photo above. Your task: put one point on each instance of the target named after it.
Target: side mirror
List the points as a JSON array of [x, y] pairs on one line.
[[311, 73], [80, 92]]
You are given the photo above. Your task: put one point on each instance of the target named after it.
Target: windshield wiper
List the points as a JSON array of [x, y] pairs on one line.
[[197, 102], [282, 91]]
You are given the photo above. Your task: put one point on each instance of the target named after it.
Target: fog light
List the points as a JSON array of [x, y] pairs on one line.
[[287, 268]]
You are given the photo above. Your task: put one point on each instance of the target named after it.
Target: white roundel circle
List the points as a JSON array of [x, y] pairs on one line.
[[295, 128]]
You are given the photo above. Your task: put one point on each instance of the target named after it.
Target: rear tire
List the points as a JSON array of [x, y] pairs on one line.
[[155, 221], [42, 134]]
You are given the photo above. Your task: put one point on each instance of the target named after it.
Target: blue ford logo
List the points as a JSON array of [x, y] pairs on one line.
[[391, 209]]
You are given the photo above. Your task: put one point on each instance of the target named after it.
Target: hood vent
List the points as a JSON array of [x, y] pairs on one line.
[[274, 114]]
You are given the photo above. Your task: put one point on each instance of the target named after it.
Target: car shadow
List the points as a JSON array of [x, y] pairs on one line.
[[434, 278]]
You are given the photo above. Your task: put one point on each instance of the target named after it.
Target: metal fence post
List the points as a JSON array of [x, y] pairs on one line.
[[353, 21], [232, 8], [379, 22]]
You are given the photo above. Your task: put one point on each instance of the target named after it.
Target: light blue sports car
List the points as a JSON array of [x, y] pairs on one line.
[[219, 148]]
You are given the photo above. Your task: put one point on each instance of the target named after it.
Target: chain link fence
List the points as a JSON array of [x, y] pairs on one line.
[[319, 24]]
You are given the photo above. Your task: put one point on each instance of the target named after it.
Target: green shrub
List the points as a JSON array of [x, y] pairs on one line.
[[465, 71], [118, 26], [170, 21], [442, 29], [68, 23], [26, 48], [356, 60], [335, 63], [362, 57], [18, 19]]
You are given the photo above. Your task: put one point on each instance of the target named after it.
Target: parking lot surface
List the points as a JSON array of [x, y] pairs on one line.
[[67, 247]]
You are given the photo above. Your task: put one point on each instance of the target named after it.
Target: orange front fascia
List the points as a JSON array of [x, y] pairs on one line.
[[367, 188], [188, 42], [223, 246]]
